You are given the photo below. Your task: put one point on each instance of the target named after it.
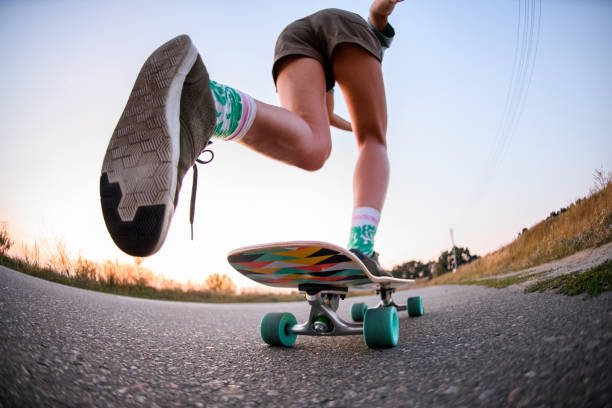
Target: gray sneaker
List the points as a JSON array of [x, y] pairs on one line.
[[371, 262], [167, 122]]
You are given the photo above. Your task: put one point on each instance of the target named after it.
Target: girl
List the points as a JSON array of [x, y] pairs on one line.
[[174, 110]]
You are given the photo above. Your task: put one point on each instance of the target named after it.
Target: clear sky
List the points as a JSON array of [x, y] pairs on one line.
[[67, 68]]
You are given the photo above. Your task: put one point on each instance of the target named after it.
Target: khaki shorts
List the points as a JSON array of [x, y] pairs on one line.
[[317, 36]]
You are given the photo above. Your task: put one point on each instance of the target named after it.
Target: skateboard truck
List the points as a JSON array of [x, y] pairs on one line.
[[386, 299], [323, 319]]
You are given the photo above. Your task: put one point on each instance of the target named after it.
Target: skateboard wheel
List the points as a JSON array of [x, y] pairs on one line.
[[275, 329], [358, 311], [381, 327], [415, 306]]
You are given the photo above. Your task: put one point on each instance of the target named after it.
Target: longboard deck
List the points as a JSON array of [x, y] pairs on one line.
[[293, 263]]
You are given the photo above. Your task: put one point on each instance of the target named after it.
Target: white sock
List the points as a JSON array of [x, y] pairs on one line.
[[363, 229], [235, 112]]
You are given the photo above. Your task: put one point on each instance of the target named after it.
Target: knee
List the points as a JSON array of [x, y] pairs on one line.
[[372, 141], [315, 158], [372, 134]]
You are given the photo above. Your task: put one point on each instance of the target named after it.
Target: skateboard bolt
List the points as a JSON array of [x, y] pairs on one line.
[[322, 324]]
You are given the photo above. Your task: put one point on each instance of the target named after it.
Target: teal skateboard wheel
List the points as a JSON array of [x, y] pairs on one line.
[[381, 327], [275, 329], [415, 306], [358, 311]]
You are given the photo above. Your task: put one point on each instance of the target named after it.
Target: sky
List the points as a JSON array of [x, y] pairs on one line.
[[489, 130]]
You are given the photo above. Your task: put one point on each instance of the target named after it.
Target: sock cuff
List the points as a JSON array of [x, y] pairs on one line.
[[365, 215], [249, 110]]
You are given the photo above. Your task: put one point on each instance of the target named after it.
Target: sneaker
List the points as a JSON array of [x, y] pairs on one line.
[[371, 262], [167, 122]]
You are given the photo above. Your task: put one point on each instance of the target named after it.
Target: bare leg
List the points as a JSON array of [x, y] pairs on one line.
[[297, 134], [360, 77]]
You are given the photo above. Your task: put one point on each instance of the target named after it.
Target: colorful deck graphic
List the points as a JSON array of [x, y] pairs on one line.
[[289, 266]]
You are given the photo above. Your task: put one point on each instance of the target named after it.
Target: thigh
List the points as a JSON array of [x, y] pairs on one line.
[[301, 88], [359, 75]]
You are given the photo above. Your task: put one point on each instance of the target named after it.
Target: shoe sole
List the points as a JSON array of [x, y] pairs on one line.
[[139, 172]]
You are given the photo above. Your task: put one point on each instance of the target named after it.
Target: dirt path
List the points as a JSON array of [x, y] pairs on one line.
[[578, 262]]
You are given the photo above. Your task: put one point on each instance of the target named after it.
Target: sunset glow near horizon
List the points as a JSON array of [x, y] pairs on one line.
[[68, 68]]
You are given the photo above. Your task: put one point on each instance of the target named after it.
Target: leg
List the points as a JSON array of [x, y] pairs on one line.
[[172, 113], [360, 77], [297, 134]]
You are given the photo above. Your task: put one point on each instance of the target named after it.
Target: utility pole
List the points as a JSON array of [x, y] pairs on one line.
[[454, 251]]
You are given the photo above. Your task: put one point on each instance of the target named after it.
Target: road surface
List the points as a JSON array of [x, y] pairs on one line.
[[475, 346]]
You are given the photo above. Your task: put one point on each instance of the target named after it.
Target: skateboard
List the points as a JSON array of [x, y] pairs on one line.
[[325, 273]]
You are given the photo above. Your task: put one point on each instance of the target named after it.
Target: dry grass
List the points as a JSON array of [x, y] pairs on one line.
[[586, 223], [56, 257], [54, 262]]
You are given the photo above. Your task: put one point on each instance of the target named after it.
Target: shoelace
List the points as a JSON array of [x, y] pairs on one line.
[[194, 185]]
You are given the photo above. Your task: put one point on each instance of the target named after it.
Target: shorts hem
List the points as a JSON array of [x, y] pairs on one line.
[[308, 53]]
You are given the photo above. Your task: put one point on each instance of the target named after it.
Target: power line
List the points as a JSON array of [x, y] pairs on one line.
[[527, 64], [519, 92], [530, 75], [525, 52]]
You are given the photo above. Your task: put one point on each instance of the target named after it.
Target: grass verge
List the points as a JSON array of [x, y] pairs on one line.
[[500, 283], [593, 281], [587, 223], [140, 288]]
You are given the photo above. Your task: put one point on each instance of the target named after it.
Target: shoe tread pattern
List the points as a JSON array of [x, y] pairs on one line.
[[137, 185]]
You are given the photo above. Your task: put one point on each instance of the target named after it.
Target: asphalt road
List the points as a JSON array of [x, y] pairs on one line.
[[61, 346]]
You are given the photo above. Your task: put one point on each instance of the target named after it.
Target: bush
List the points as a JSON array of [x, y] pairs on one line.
[[412, 270], [601, 180], [221, 284]]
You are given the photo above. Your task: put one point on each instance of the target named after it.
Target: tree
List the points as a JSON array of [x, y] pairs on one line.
[[412, 270], [445, 260]]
